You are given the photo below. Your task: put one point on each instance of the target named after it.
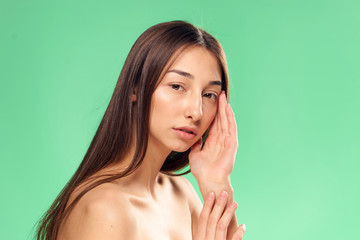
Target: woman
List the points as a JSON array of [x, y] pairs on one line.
[[170, 97]]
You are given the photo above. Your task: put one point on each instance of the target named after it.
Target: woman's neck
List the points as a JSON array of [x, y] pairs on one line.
[[144, 179]]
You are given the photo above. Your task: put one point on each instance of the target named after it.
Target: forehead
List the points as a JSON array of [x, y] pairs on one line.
[[196, 60]]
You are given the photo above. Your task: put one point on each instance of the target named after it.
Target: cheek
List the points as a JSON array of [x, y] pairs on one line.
[[162, 107], [209, 114]]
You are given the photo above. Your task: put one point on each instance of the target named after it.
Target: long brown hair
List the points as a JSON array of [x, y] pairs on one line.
[[141, 73]]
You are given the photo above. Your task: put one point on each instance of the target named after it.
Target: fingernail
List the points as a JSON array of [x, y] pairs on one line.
[[244, 227], [223, 195], [233, 205], [211, 196]]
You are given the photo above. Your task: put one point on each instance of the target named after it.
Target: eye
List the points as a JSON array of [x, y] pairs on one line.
[[176, 87], [210, 95]]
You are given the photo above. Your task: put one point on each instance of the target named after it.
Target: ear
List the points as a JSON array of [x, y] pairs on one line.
[[133, 97]]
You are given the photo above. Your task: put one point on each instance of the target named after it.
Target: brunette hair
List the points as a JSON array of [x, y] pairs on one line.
[[143, 69]]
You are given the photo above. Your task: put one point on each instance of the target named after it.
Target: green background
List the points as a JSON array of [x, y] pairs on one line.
[[295, 88]]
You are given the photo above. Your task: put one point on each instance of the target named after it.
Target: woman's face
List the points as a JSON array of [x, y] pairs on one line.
[[185, 102]]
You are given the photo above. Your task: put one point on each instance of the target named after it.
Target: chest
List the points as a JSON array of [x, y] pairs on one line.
[[163, 220]]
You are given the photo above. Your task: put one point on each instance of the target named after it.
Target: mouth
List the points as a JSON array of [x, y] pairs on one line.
[[186, 129], [186, 133]]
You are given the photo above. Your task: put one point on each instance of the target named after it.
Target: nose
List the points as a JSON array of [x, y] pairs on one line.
[[193, 108]]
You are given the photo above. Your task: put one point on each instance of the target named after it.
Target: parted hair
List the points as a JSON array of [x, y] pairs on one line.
[[120, 127]]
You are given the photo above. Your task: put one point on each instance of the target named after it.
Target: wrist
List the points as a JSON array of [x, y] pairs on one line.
[[214, 182], [210, 185], [213, 178]]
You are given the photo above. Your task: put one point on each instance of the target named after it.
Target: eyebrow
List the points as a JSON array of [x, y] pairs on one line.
[[190, 76]]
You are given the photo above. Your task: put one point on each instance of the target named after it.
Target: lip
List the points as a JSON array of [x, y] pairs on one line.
[[186, 132]]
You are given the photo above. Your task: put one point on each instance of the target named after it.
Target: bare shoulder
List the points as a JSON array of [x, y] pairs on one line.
[[181, 184], [102, 213], [191, 197]]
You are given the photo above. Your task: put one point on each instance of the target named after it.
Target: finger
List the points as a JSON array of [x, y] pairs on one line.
[[204, 215], [239, 234], [218, 113], [212, 137], [216, 214], [214, 126], [222, 226], [215, 129], [231, 120], [223, 116], [231, 141]]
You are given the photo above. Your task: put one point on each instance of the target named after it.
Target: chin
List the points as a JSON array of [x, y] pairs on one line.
[[180, 148]]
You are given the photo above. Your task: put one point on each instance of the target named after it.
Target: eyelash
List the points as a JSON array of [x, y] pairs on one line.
[[177, 87], [212, 95]]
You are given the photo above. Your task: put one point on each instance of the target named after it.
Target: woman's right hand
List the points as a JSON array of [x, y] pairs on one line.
[[215, 218]]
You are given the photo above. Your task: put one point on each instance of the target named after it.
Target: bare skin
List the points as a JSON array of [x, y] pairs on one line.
[[115, 209], [150, 205]]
